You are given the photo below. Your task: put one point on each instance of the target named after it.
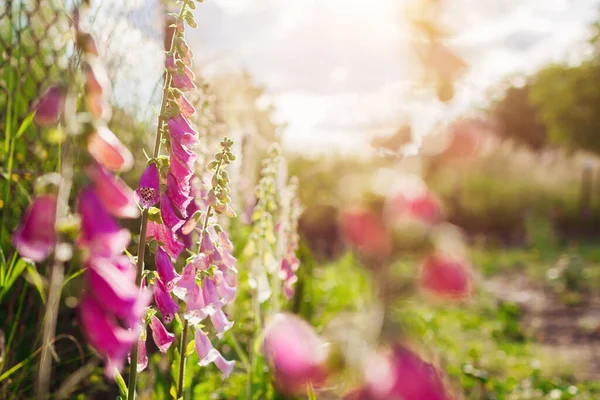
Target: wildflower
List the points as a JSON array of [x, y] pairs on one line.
[[165, 237], [165, 269], [207, 354], [366, 231], [162, 338], [195, 308], [96, 79], [445, 276], [424, 207], [36, 235], [178, 192], [296, 353], [98, 106], [105, 335], [220, 322], [113, 193], [99, 231], [167, 212], [226, 291], [142, 358], [49, 107], [164, 302], [211, 296], [181, 130], [108, 151], [185, 107], [148, 192]]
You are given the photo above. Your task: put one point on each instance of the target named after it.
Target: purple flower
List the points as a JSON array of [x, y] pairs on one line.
[[99, 231], [210, 296], [224, 241], [49, 107], [36, 234], [165, 237], [195, 307], [201, 262], [165, 269], [178, 192], [226, 291], [108, 150], [185, 107], [181, 130], [183, 82], [142, 358], [180, 170], [207, 247], [105, 335], [170, 62], [164, 302], [126, 266], [114, 292], [183, 154], [220, 322], [228, 260], [114, 194], [207, 354], [167, 212], [296, 353], [148, 192], [161, 336], [188, 276]]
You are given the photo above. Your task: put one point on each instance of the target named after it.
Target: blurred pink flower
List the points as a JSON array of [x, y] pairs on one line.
[[100, 233], [148, 192], [185, 107], [296, 353], [446, 276], [161, 336], [49, 107], [36, 235], [96, 78], [105, 335], [366, 232], [424, 207], [114, 194], [108, 150]]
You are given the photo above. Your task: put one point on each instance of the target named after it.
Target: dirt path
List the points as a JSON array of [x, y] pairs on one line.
[[569, 332]]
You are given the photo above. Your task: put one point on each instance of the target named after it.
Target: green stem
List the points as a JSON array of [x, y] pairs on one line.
[[132, 380]]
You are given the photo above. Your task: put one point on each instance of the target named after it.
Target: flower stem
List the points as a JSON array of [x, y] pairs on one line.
[[57, 276], [144, 225]]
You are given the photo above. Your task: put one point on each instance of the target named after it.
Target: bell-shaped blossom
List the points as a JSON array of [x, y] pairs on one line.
[[49, 107], [366, 232], [404, 375], [179, 194], [162, 338], [259, 281], [226, 291], [108, 150], [183, 154], [105, 335], [183, 82], [289, 278], [115, 195], [148, 192], [96, 78], [227, 259], [224, 240], [126, 266], [230, 276], [207, 246], [114, 292], [185, 107], [164, 302], [36, 235], [220, 322], [165, 237], [295, 352], [180, 170], [181, 130], [165, 269], [98, 105], [170, 64], [167, 212], [446, 276], [100, 233], [188, 276], [201, 262], [195, 308], [211, 296], [142, 357], [207, 354]]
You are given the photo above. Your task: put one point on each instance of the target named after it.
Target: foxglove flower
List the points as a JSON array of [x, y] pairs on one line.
[[96, 78], [49, 107], [224, 241], [181, 130], [164, 302], [167, 212], [105, 335], [211, 296], [207, 354], [207, 246], [98, 106], [185, 107], [180, 170], [165, 269], [220, 322], [113, 193], [183, 82], [148, 192], [365, 231], [165, 237], [99, 231], [195, 308], [114, 292], [108, 150], [36, 236], [161, 336], [226, 291], [183, 154], [178, 192], [445, 276], [296, 353], [422, 206], [142, 357], [201, 262], [125, 266], [289, 278]]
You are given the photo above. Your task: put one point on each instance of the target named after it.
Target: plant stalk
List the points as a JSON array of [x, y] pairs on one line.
[[132, 380]]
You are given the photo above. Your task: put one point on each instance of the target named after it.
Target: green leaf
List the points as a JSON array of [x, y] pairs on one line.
[[122, 385], [311, 391], [14, 273], [154, 215], [190, 348], [73, 276], [25, 124], [173, 392], [36, 280]]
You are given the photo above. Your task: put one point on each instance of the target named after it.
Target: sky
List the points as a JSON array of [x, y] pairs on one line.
[[338, 71]]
